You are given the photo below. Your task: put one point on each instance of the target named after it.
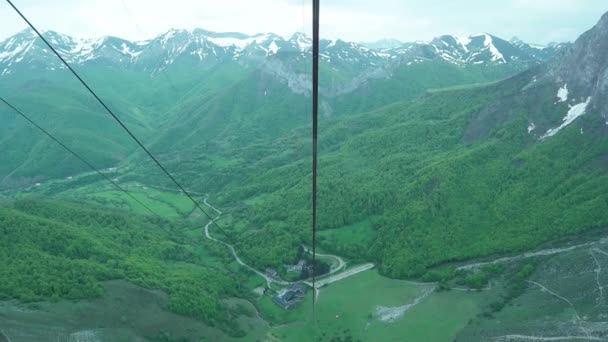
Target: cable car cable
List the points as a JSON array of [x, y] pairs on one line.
[[103, 104]]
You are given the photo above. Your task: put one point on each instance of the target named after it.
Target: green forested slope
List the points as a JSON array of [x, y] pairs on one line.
[[54, 250], [146, 104], [410, 81], [183, 110], [451, 176]]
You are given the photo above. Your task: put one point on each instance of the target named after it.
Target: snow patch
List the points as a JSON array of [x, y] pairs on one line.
[[463, 41], [562, 93], [229, 42], [304, 42], [84, 48], [531, 127], [238, 43], [172, 33], [127, 51], [274, 48], [496, 55], [22, 49], [200, 53], [574, 112]]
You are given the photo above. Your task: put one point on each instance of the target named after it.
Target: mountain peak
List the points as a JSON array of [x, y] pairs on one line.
[[301, 40], [204, 46], [515, 40], [584, 67], [26, 33]]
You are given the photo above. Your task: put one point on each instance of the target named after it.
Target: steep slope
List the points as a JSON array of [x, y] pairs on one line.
[[583, 70], [453, 175], [559, 92], [73, 117], [432, 197]]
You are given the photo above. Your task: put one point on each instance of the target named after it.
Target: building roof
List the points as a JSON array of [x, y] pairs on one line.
[[290, 296]]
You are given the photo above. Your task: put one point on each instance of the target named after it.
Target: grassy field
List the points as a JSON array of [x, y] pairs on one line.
[[358, 233], [164, 203], [349, 309]]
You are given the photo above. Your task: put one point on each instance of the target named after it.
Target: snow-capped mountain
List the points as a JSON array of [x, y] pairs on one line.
[[480, 48], [555, 95], [538, 51], [24, 51], [580, 77]]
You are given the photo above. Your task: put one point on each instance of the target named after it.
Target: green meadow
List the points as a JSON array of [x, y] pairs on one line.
[[348, 311]]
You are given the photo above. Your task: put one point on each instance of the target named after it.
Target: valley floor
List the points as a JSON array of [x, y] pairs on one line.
[[563, 300]]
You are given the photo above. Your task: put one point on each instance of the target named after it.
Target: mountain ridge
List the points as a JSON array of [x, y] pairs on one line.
[[192, 70], [202, 46]]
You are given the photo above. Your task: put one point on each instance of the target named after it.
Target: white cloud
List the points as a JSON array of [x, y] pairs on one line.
[[549, 5], [138, 19], [538, 21]]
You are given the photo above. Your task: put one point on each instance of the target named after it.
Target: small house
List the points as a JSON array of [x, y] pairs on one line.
[[297, 268], [291, 296], [271, 273]]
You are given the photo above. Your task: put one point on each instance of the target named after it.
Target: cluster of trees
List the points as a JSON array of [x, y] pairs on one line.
[[52, 251], [514, 287]]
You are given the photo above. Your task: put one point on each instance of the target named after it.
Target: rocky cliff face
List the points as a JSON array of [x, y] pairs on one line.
[[554, 95], [582, 72]]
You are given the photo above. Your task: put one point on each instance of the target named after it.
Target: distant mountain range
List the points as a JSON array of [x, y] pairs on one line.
[[187, 88], [24, 51]]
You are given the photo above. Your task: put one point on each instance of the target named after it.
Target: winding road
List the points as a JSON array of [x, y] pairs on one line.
[[4, 337], [340, 262], [268, 279], [331, 277]]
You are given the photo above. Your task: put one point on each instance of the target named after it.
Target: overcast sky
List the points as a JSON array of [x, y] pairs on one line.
[[535, 21]]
